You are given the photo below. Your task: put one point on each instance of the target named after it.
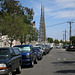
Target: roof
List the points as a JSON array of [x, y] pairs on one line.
[[22, 45]]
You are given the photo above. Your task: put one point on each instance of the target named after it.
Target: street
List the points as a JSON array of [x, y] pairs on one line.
[[57, 62]]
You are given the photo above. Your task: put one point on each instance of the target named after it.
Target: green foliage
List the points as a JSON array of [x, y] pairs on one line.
[[10, 6], [56, 41], [50, 40], [15, 21], [33, 34], [72, 39], [61, 41]]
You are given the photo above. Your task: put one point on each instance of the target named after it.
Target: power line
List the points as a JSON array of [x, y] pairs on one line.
[[58, 23]]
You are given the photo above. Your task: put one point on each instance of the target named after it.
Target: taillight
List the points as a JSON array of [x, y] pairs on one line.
[[74, 47], [3, 66], [43, 49]]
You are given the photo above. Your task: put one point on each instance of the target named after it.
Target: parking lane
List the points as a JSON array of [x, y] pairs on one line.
[[57, 62]]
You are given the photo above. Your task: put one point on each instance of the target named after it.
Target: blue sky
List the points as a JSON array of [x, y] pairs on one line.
[[56, 11]]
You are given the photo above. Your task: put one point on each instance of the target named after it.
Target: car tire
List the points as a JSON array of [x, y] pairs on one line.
[[18, 70], [35, 62], [10, 73], [32, 63]]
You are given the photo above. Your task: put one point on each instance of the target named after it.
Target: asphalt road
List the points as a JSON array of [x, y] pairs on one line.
[[57, 62]]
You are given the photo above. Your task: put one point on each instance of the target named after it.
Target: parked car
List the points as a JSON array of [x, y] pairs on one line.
[[44, 48], [10, 60], [65, 46], [41, 47], [49, 47], [29, 56], [57, 46], [38, 52], [71, 48]]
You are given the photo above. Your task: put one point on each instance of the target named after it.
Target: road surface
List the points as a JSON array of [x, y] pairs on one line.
[[57, 62]]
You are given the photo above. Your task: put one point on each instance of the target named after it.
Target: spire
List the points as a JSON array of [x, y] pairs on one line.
[[42, 30]]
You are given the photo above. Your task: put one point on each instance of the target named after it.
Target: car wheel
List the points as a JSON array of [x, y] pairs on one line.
[[32, 63], [18, 70], [35, 62], [10, 73]]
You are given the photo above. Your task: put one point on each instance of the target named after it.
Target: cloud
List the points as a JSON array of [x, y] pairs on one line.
[[61, 9], [65, 3], [64, 14]]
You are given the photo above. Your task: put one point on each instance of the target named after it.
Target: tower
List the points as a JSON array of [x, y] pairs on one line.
[[42, 30]]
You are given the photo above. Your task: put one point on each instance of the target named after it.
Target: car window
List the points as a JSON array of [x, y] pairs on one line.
[[25, 49], [16, 51], [11, 51], [4, 53]]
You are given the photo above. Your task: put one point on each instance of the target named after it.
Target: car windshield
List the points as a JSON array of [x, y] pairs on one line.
[[4, 53], [25, 49], [44, 46], [37, 48], [57, 45]]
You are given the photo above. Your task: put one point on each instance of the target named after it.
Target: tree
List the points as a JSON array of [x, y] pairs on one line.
[[27, 17], [10, 6], [61, 41], [50, 40], [56, 41], [14, 22], [13, 27]]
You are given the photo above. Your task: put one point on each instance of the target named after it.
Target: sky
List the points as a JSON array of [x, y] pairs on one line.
[[57, 14]]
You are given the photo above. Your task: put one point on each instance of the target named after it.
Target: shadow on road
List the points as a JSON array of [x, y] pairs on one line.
[[64, 62], [23, 67], [65, 71]]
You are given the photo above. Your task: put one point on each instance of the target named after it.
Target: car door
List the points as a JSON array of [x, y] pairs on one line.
[[17, 56], [32, 53], [12, 59]]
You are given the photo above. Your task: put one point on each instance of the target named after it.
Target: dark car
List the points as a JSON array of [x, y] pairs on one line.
[[71, 48], [38, 52], [65, 46], [29, 56], [10, 60]]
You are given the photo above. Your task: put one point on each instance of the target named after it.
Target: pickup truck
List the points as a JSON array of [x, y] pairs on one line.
[[10, 60], [29, 56]]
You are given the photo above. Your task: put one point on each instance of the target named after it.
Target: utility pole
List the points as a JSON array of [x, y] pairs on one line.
[[65, 36], [70, 30], [70, 27]]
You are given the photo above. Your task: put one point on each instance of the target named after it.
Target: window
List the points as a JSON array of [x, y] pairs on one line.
[[4, 53], [25, 49], [16, 51]]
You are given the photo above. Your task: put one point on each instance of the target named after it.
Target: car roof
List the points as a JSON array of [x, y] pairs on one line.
[[5, 47], [22, 45], [36, 46]]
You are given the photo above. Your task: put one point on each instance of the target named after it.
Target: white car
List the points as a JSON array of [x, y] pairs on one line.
[[57, 46]]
